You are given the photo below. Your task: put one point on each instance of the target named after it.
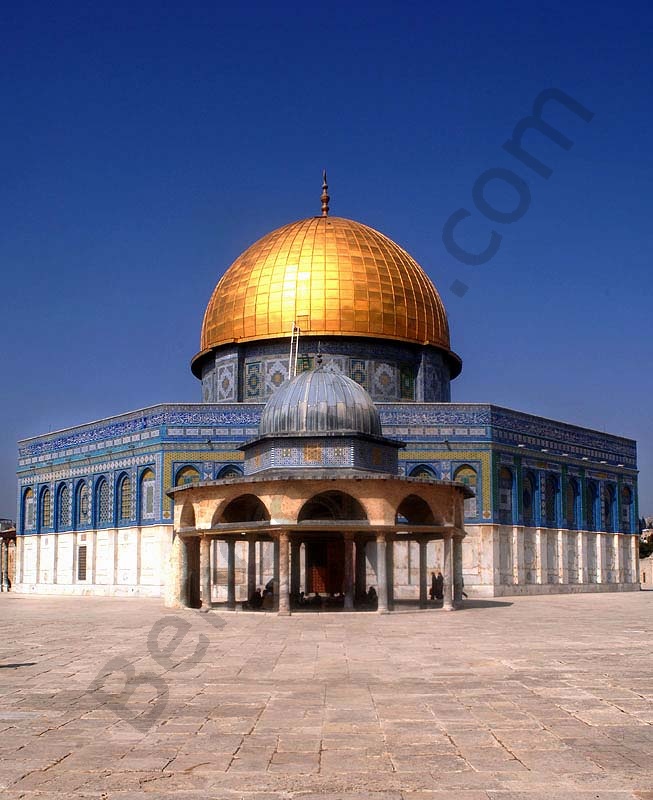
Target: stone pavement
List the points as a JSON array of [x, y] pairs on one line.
[[521, 699]]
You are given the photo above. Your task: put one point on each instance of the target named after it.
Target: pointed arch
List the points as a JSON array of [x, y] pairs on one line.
[[28, 514], [187, 474], [424, 472], [506, 483], [467, 474], [416, 511], [147, 494], [246, 508], [572, 494], [82, 505], [63, 507], [529, 494], [230, 471], [332, 505], [124, 498], [187, 517], [103, 516], [45, 508]]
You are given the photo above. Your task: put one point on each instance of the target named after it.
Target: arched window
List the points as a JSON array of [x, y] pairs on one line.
[[551, 500], [467, 475], [528, 499], [609, 495], [45, 512], [187, 475], [571, 503], [63, 507], [626, 509], [103, 502], [505, 496], [28, 510], [82, 506], [230, 471], [591, 494], [147, 492], [424, 472], [125, 499]]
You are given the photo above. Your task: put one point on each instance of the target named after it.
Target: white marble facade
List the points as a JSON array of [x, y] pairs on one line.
[[498, 560]]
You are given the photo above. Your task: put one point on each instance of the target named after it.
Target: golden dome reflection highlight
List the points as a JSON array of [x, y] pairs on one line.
[[333, 277]]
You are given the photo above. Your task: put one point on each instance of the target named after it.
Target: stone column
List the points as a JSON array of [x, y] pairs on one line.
[[381, 574], [349, 571], [600, 559], [177, 588], [581, 545], [447, 574], [275, 571], [295, 568], [20, 557], [542, 572], [563, 560], [518, 569], [302, 565], [390, 571], [4, 567], [205, 571], [251, 566], [634, 558], [618, 565], [457, 569], [37, 576], [113, 567], [284, 599], [361, 569], [423, 593], [231, 573]]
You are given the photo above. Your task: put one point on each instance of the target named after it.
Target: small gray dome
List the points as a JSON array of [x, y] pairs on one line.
[[320, 401]]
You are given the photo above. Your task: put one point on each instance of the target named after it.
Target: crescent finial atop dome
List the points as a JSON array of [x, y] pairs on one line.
[[325, 195]]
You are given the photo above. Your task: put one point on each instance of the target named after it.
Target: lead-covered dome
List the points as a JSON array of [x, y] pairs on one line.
[[333, 277], [317, 402]]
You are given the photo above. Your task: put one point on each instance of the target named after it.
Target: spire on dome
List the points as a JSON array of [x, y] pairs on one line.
[[325, 195]]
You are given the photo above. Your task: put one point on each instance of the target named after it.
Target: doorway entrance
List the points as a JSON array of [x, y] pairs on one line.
[[325, 566]]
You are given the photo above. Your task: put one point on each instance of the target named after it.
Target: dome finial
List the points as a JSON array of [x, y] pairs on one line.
[[325, 195]]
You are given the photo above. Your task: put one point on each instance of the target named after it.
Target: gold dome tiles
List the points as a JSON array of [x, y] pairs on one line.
[[333, 276]]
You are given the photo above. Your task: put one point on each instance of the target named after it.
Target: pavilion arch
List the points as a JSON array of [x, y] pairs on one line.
[[246, 508], [187, 474], [424, 472], [332, 505], [187, 517], [414, 510]]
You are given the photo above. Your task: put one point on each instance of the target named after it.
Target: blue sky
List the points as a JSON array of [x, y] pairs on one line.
[[146, 145]]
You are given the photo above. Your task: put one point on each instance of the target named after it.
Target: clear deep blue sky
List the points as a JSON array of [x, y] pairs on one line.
[[145, 145]]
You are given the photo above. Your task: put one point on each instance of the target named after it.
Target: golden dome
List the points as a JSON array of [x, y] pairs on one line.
[[331, 276]]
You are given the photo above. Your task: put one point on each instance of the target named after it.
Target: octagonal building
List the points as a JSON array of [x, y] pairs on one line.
[[325, 322]]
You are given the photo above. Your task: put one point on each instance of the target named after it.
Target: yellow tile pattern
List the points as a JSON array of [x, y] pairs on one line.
[[332, 276]]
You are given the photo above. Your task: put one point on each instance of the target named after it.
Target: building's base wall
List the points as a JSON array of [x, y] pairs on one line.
[[504, 560], [498, 561], [123, 562]]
